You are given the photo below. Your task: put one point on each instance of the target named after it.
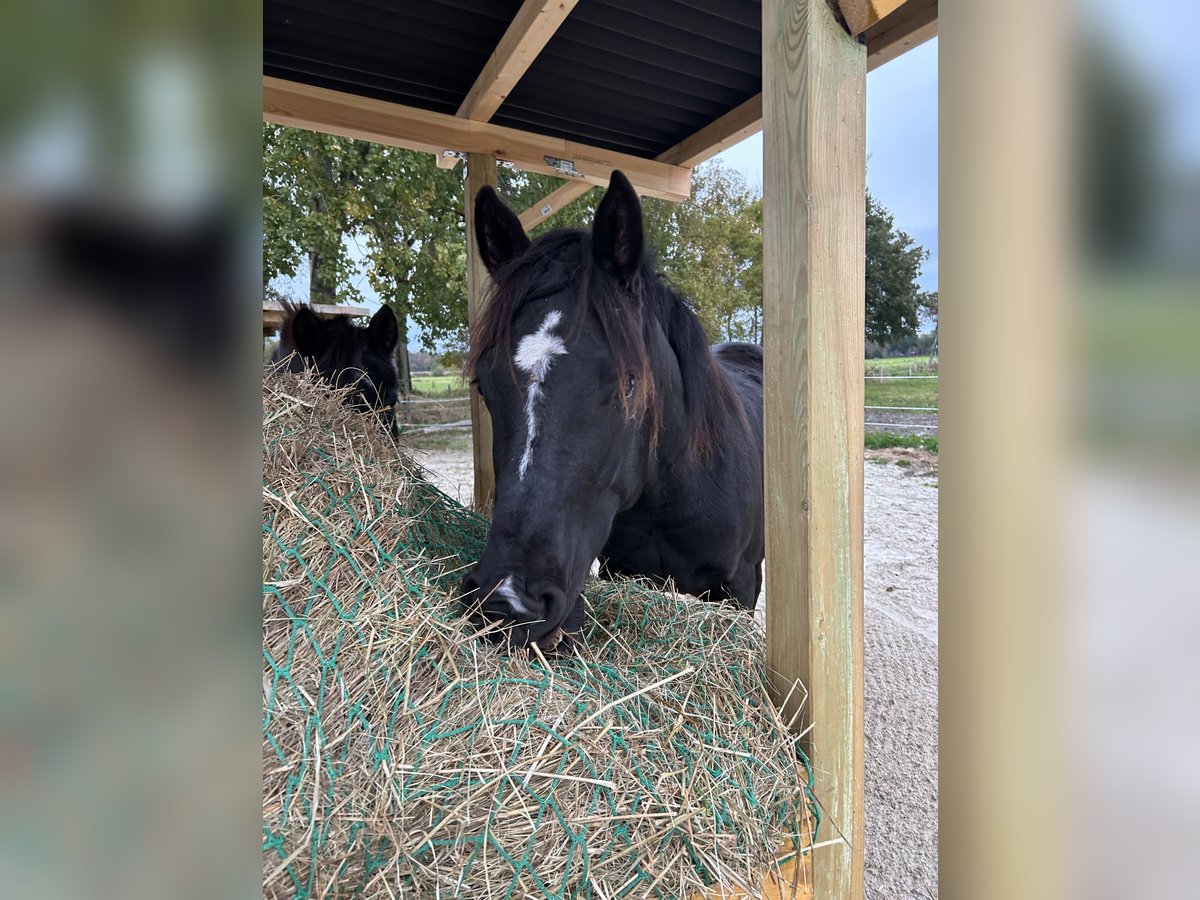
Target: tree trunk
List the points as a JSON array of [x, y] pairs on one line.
[[322, 284], [403, 365]]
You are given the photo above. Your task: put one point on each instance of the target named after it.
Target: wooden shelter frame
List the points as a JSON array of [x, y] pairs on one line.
[[815, 57]]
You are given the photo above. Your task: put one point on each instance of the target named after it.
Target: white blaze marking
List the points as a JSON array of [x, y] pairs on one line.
[[505, 590], [534, 355]]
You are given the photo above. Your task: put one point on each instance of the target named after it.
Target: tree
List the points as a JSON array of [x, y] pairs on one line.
[[928, 301], [349, 207], [893, 266], [352, 209], [710, 247]]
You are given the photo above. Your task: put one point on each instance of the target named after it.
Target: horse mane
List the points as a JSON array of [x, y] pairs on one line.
[[626, 311]]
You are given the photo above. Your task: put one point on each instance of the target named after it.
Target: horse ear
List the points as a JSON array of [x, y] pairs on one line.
[[498, 231], [383, 333], [308, 333], [617, 235]]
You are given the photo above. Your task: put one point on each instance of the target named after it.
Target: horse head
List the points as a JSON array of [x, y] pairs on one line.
[[346, 356], [584, 359]]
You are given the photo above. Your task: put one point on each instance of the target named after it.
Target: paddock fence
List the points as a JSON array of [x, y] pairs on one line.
[[422, 415]]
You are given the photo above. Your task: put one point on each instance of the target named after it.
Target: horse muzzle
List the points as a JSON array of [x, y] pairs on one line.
[[521, 614]]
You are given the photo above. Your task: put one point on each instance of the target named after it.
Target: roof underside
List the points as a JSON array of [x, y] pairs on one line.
[[624, 75]]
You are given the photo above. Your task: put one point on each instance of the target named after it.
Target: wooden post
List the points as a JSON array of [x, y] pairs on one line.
[[814, 168], [481, 170]]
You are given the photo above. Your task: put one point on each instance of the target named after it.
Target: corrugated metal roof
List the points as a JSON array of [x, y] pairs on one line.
[[425, 53], [636, 76]]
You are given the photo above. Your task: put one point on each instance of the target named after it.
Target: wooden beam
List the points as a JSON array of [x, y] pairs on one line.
[[912, 24], [530, 30], [481, 170], [333, 112], [720, 134], [862, 14], [552, 203], [814, 244], [274, 313]]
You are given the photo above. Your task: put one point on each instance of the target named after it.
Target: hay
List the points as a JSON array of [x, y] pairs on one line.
[[402, 756]]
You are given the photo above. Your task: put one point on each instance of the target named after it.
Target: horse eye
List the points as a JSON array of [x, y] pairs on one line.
[[630, 384]]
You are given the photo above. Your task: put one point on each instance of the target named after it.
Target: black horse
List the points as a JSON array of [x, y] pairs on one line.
[[618, 432], [346, 356]]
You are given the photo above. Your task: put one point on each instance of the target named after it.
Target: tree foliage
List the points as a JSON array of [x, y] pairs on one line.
[[351, 210], [710, 247], [893, 266]]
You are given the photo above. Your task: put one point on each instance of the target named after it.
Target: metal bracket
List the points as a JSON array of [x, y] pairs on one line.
[[563, 166]]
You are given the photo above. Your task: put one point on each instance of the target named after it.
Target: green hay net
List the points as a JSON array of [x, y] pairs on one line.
[[401, 757]]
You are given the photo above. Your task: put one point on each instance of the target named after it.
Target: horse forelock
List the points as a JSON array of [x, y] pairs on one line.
[[627, 312]]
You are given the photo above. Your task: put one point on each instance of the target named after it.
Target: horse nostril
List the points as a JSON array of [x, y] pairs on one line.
[[550, 601]]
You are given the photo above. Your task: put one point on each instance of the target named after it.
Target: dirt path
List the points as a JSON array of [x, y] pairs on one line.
[[900, 636], [900, 653]]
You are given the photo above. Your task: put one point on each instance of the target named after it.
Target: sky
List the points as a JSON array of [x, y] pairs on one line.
[[902, 147]]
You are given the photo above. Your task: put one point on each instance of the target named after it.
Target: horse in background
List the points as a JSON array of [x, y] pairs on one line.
[[618, 432], [346, 356]]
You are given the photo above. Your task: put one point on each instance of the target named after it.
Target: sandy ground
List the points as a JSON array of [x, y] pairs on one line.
[[900, 634]]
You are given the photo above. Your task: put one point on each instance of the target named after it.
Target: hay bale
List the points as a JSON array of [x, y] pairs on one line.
[[402, 756]]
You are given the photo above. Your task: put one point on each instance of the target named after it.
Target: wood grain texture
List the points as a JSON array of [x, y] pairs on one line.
[[348, 115], [720, 134], [553, 202], [793, 882], [814, 155], [862, 14], [530, 30], [912, 24], [481, 170]]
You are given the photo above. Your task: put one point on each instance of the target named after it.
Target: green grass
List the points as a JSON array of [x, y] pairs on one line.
[[901, 393], [439, 385], [882, 441], [902, 365]]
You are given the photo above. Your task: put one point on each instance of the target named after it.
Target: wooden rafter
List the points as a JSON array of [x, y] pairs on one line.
[[862, 14], [553, 202], [912, 23], [530, 30], [333, 112], [721, 134]]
